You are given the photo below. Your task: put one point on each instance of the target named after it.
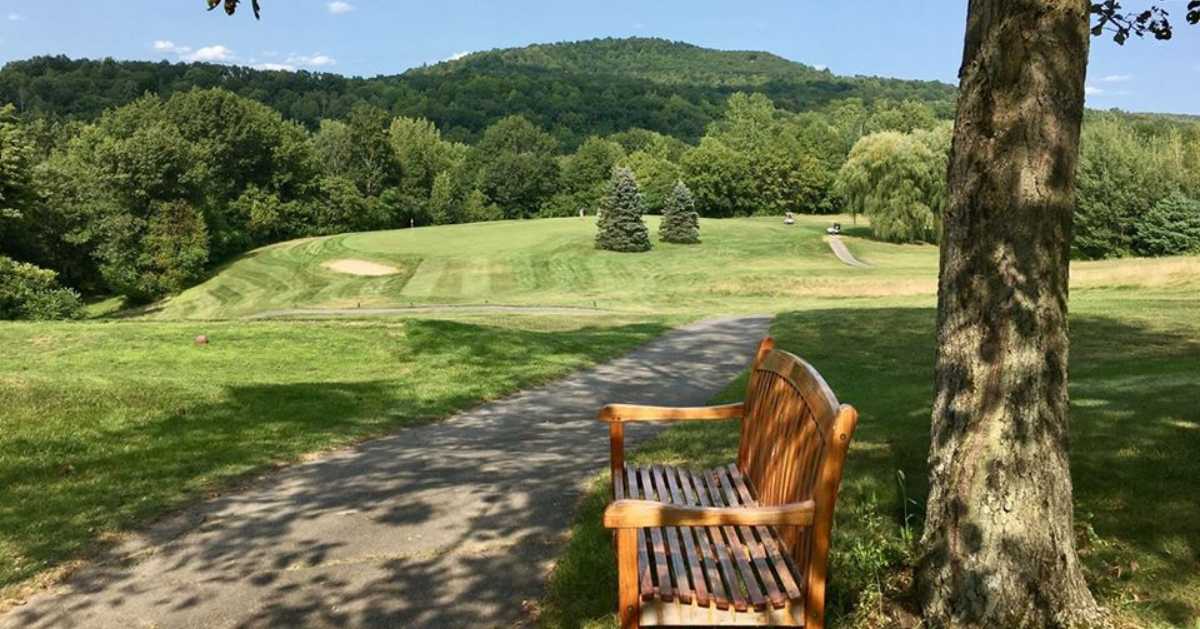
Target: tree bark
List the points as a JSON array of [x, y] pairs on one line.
[[998, 548]]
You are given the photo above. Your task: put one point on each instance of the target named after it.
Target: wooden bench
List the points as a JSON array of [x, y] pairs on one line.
[[743, 544]]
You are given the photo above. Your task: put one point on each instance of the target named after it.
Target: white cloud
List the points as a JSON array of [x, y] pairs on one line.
[[276, 66], [458, 55], [313, 61], [210, 54], [1117, 78], [339, 7], [16, 17], [1091, 90], [167, 46], [820, 66]]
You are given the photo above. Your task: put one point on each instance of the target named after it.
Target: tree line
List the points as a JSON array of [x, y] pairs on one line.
[[147, 199], [572, 90], [1138, 185]]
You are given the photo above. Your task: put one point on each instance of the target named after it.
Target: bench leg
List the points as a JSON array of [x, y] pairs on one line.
[[627, 579]]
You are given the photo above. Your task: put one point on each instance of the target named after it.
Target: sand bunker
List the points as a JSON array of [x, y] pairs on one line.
[[360, 267]]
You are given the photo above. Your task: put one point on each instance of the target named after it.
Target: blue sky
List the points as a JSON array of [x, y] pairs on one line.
[[912, 39]]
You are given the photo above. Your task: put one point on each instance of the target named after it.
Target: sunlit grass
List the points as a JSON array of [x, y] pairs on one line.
[[1135, 442], [104, 425]]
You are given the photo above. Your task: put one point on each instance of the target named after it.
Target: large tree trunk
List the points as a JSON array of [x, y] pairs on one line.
[[998, 548]]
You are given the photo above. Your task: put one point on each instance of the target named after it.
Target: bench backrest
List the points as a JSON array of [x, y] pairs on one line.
[[794, 440]]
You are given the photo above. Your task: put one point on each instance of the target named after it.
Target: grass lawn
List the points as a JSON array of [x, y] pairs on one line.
[[744, 265], [106, 425], [1135, 370]]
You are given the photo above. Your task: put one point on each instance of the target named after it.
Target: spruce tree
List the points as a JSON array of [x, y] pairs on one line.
[[681, 223], [620, 223]]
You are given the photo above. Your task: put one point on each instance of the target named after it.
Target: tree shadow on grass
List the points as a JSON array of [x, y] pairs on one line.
[[1135, 456], [437, 525], [1135, 450]]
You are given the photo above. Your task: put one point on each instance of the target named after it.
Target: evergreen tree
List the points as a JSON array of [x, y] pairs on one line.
[[1170, 228], [620, 223], [681, 223]]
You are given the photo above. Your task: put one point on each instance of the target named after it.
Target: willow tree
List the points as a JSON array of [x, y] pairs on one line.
[[998, 546], [899, 181]]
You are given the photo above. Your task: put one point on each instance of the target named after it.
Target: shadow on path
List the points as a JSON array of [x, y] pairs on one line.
[[448, 525]]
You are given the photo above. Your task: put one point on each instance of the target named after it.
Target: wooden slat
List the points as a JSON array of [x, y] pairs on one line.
[[758, 554], [766, 535], [695, 567], [663, 574], [707, 553], [645, 582], [619, 486], [739, 552], [683, 587], [717, 538]]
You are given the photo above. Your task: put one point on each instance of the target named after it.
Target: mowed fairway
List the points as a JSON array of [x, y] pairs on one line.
[[743, 265]]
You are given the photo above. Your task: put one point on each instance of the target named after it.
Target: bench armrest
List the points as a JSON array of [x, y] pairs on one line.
[[627, 514], [621, 413]]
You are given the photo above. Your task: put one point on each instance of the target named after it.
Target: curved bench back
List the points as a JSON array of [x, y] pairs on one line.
[[795, 435]]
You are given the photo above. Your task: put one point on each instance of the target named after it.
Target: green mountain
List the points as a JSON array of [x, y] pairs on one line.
[[656, 60], [572, 89]]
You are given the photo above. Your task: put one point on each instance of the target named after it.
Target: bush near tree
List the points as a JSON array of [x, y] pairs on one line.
[[681, 223], [620, 225], [28, 292]]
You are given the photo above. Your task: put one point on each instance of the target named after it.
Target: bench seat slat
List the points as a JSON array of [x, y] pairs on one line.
[[645, 582], [663, 581], [679, 571], [688, 536], [716, 538], [758, 554], [780, 566], [708, 555], [741, 567]]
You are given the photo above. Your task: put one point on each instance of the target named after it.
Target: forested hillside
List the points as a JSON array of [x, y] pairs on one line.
[[138, 179], [572, 90]]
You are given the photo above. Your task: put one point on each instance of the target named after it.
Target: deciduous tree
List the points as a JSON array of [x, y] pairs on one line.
[[999, 539]]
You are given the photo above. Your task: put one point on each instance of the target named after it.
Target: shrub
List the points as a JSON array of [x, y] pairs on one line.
[[681, 223], [29, 292], [1171, 227], [145, 259], [620, 223], [478, 210]]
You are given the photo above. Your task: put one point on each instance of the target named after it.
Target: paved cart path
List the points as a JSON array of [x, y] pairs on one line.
[[843, 253], [448, 525]]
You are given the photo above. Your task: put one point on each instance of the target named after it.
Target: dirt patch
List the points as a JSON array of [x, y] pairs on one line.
[[360, 267]]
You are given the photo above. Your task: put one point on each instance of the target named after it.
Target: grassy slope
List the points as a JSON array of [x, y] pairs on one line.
[[743, 265], [104, 425]]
